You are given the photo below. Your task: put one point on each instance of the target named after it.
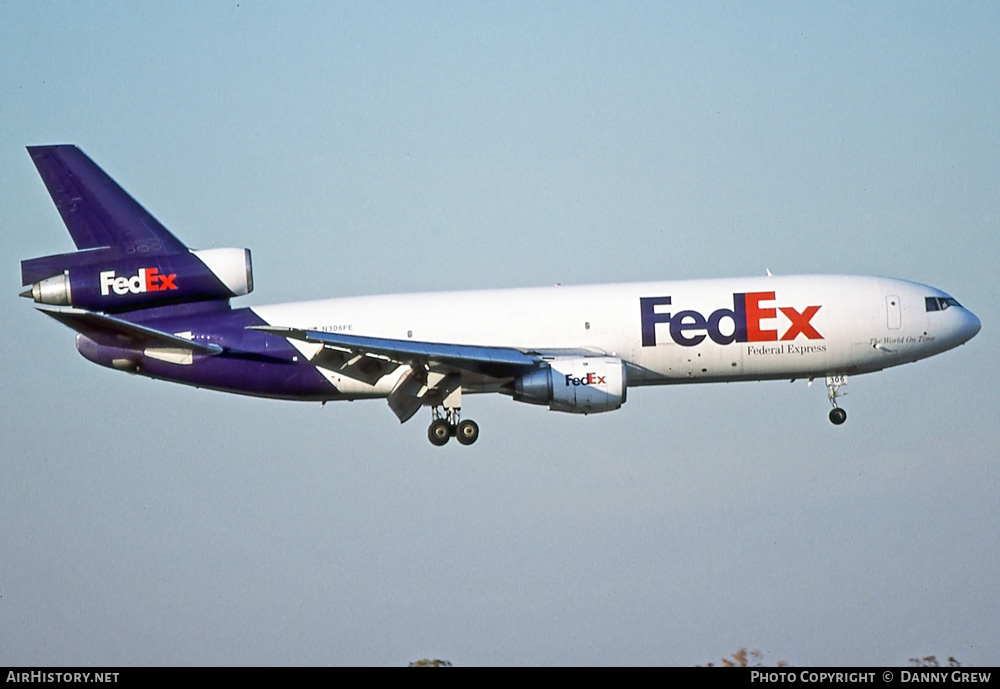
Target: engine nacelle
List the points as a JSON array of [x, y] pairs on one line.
[[577, 385], [119, 284]]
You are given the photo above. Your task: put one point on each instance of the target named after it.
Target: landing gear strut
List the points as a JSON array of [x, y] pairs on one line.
[[446, 423], [833, 385]]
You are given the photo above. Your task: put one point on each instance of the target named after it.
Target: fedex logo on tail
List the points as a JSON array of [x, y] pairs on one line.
[[750, 310], [146, 280]]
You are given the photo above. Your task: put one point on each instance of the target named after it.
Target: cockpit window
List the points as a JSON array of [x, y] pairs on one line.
[[940, 303]]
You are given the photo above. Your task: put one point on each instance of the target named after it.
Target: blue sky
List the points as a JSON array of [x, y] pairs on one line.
[[370, 148]]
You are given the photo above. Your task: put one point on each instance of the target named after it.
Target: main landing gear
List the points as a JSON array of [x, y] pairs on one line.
[[446, 423], [833, 385]]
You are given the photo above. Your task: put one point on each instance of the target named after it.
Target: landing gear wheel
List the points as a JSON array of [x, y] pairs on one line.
[[837, 416], [439, 432], [467, 432]]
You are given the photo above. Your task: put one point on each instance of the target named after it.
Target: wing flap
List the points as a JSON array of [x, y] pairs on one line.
[[366, 368]]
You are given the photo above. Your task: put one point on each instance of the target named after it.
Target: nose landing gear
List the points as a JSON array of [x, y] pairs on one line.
[[446, 423], [833, 385]]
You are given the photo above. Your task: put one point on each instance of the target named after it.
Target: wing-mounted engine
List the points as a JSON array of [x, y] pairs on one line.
[[577, 385], [99, 281]]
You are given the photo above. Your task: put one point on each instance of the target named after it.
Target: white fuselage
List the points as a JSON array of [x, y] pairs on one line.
[[666, 332]]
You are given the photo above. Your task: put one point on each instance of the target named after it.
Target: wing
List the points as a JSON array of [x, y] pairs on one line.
[[436, 369], [496, 362]]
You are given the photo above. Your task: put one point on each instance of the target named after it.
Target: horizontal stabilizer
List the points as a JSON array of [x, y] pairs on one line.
[[117, 332]]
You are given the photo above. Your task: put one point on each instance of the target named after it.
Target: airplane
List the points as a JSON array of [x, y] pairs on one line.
[[143, 302]]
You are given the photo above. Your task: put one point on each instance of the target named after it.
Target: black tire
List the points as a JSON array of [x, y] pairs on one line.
[[837, 416], [439, 432], [467, 432]]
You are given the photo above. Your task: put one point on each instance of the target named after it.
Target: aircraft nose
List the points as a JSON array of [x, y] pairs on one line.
[[970, 326]]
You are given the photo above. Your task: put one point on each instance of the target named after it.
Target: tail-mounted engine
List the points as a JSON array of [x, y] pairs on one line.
[[95, 281], [584, 385]]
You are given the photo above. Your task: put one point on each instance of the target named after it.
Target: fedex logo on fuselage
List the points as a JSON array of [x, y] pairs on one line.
[[146, 280], [750, 310]]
